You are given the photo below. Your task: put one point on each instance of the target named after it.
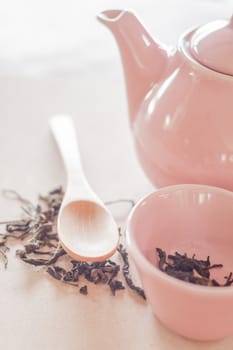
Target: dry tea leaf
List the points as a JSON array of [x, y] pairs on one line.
[[41, 246], [190, 269]]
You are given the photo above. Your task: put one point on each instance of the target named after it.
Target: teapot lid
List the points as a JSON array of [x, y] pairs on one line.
[[212, 46]]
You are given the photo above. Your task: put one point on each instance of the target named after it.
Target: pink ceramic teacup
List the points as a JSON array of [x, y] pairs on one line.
[[195, 219]]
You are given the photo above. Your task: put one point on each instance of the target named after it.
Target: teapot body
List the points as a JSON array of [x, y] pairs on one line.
[[183, 130]]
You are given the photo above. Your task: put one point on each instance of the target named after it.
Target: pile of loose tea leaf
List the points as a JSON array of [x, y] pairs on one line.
[[41, 247], [190, 269]]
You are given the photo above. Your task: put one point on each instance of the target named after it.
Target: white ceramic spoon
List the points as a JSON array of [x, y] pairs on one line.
[[86, 228]]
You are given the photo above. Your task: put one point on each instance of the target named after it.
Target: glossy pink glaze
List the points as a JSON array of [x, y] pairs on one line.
[[181, 112], [212, 46], [144, 60], [198, 220], [188, 136]]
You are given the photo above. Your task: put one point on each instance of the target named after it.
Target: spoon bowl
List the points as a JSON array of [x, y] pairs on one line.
[[86, 228]]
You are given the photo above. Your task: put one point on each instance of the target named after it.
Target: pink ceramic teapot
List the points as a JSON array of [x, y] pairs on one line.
[[180, 100]]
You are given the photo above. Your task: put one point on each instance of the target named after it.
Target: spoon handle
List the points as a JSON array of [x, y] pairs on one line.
[[63, 130]]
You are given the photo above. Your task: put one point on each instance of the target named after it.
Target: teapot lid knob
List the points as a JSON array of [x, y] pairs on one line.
[[212, 46]]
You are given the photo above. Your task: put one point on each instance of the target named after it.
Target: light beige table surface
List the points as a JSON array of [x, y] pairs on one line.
[[56, 58]]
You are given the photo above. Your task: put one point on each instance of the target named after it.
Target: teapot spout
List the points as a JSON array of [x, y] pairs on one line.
[[144, 60]]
